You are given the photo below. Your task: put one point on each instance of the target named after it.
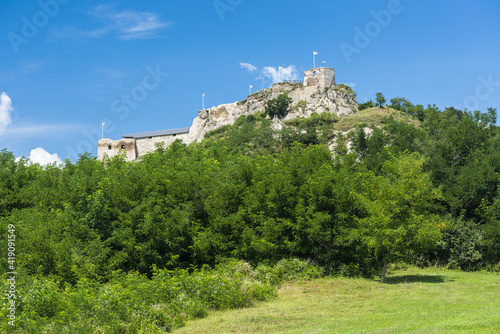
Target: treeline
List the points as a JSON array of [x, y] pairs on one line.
[[250, 193], [422, 192]]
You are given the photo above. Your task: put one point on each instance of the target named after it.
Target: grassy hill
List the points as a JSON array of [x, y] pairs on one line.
[[255, 134], [413, 301], [373, 117]]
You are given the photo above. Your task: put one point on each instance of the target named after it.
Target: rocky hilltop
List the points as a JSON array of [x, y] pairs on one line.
[[305, 101], [317, 94]]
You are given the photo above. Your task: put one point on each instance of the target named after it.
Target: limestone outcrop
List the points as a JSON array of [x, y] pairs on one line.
[[306, 100]]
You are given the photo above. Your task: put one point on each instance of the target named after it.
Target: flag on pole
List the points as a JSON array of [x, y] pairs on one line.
[[280, 68], [103, 124], [323, 62], [203, 94], [314, 59]]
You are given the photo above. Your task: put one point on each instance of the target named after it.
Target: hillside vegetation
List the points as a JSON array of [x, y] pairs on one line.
[[129, 247]]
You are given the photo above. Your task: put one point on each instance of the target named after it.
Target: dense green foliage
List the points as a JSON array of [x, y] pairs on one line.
[[423, 192], [278, 106], [366, 105]]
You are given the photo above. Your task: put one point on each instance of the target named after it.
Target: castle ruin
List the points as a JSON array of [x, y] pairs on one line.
[[318, 93]]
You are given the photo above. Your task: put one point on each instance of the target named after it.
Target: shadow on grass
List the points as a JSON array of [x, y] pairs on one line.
[[416, 279]]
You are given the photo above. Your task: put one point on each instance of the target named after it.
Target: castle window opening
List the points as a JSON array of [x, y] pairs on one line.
[[123, 147], [314, 73], [175, 134], [109, 147]]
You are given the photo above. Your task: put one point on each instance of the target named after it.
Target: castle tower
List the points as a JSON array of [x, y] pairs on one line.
[[320, 77]]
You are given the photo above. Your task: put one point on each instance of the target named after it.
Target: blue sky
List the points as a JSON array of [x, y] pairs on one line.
[[66, 66]]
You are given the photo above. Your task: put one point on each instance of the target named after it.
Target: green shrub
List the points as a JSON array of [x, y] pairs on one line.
[[366, 105], [288, 270], [460, 248], [39, 297], [134, 303]]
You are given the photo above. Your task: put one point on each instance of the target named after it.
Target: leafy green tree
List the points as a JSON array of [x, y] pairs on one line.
[[380, 99], [462, 147], [396, 219], [403, 136], [278, 106], [398, 103], [418, 112], [372, 150], [402, 104]]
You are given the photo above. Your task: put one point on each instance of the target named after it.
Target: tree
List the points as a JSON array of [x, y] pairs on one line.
[[380, 99], [278, 106], [397, 220], [401, 104], [462, 148]]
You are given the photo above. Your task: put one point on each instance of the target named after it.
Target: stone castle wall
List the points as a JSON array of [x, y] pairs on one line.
[[113, 147], [320, 77], [146, 145]]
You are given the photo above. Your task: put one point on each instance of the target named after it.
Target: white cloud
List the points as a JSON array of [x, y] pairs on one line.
[[287, 73], [42, 157], [37, 130], [248, 67], [128, 25], [5, 110]]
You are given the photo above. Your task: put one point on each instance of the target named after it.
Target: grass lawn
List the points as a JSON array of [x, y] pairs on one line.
[[411, 301]]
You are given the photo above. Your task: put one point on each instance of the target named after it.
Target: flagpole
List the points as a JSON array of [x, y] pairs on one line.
[[203, 101], [250, 89], [314, 59], [102, 128]]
